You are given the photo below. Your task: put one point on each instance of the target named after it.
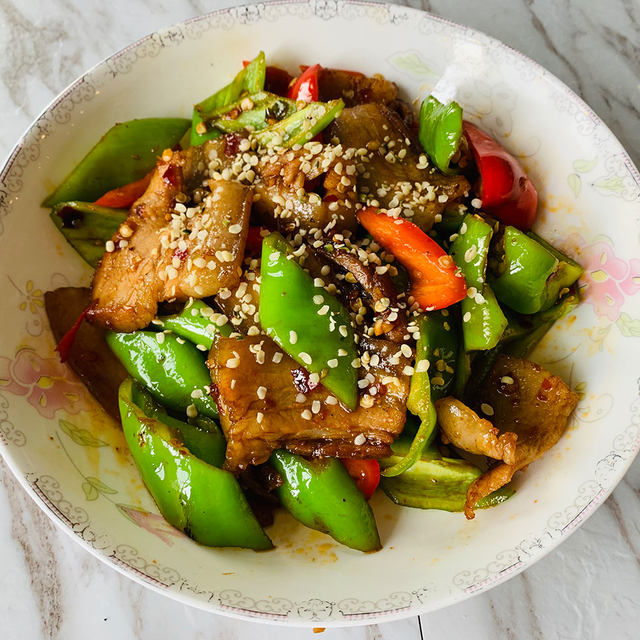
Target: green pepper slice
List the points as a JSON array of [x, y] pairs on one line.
[[197, 322], [434, 482], [127, 152], [266, 107], [323, 496], [435, 342], [302, 126], [483, 322], [171, 369], [87, 227], [250, 79], [196, 497], [440, 130], [311, 325], [530, 274], [201, 435]]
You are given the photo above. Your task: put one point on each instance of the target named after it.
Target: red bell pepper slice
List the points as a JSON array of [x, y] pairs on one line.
[[366, 474], [67, 340], [253, 246], [306, 87], [436, 282], [124, 197], [505, 189]]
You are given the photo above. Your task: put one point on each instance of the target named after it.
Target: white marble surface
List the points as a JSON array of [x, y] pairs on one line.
[[588, 588]]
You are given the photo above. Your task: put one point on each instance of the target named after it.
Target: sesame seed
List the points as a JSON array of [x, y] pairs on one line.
[[323, 310], [333, 363], [318, 282], [300, 398], [306, 414], [293, 337], [202, 347], [192, 412], [476, 203], [314, 378], [408, 371], [259, 417], [316, 406], [466, 317], [305, 357], [487, 409], [325, 270], [507, 380], [233, 363], [331, 400], [406, 350], [261, 392], [110, 246], [343, 331], [277, 357], [422, 366], [318, 299], [355, 363], [359, 440], [160, 337], [196, 394]]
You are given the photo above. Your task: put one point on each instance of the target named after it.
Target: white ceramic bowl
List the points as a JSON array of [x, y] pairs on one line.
[[72, 459]]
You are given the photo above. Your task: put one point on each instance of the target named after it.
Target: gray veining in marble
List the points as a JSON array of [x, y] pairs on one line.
[[588, 588]]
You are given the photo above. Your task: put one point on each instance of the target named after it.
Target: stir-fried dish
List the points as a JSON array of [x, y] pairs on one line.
[[308, 291]]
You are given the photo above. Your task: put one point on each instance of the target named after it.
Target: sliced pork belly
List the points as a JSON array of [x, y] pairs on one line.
[[267, 401], [166, 251], [393, 174]]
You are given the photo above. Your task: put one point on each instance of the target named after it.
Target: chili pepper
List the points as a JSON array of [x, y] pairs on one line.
[[263, 109], [505, 189], [483, 322], [434, 482], [172, 370], [440, 130], [127, 152], [463, 373], [365, 473], [87, 227], [302, 126], [250, 79], [66, 342], [435, 281], [322, 495], [194, 496], [197, 322], [527, 274], [124, 197], [305, 88], [437, 344], [311, 325]]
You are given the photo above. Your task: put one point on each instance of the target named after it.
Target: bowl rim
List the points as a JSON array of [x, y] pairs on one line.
[[357, 619]]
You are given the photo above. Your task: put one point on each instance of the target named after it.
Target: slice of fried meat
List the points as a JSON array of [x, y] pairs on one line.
[[267, 401], [165, 250]]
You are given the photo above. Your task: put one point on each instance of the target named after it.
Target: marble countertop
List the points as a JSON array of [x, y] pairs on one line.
[[587, 588]]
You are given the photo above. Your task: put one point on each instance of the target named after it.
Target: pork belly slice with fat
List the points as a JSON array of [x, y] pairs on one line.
[[164, 251], [393, 180], [266, 405], [528, 405]]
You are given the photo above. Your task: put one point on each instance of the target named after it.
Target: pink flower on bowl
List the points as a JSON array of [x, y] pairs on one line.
[[45, 382], [607, 279]]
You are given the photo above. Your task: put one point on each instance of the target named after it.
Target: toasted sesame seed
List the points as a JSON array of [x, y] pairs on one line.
[[487, 409], [192, 412], [343, 331], [507, 380], [359, 440], [406, 350], [318, 299], [355, 363], [333, 363], [261, 392], [160, 337], [277, 357], [233, 363], [110, 246], [314, 378], [305, 357], [323, 310], [259, 417], [422, 366], [408, 371], [476, 203], [306, 414], [316, 406], [466, 317], [293, 337], [331, 400], [300, 398], [342, 352], [202, 347]]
